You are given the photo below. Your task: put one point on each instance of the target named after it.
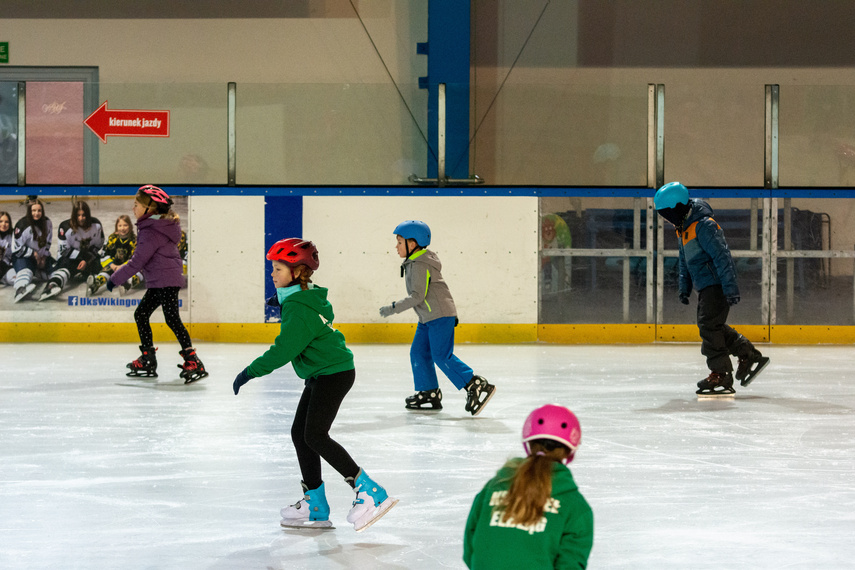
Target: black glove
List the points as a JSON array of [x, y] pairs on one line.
[[240, 380], [684, 298], [733, 300], [110, 285]]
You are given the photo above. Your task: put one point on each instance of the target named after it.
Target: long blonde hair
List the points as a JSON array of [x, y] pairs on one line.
[[531, 483]]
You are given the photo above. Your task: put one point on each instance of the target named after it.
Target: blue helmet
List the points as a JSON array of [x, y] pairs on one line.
[[670, 195], [414, 229]]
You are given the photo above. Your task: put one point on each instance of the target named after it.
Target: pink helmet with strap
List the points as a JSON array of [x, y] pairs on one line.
[[553, 422], [156, 194]]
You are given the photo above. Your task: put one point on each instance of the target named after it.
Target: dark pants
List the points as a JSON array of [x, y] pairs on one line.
[[167, 297], [718, 340], [318, 407]]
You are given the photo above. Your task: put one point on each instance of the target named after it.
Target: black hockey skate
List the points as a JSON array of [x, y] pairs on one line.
[[425, 400], [145, 365], [716, 385], [192, 369], [750, 366], [478, 393]]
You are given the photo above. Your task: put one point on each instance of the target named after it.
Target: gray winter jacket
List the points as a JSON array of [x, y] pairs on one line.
[[427, 291]]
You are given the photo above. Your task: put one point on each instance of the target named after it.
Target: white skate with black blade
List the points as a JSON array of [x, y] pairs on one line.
[[750, 366], [425, 400], [478, 393], [312, 511], [716, 385]]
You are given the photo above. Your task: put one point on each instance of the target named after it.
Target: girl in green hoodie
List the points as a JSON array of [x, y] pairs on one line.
[[319, 356], [531, 514]]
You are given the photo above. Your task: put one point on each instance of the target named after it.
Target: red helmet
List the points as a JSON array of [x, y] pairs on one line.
[[295, 251], [156, 194]]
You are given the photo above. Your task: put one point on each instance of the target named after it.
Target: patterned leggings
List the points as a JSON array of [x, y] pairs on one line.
[[154, 298]]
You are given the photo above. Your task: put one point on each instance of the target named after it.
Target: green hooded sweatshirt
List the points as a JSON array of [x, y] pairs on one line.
[[561, 539], [306, 338]]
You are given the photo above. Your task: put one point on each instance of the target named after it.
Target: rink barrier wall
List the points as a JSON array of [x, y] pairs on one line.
[[397, 333]]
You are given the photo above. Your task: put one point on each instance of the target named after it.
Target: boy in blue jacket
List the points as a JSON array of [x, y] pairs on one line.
[[706, 265]]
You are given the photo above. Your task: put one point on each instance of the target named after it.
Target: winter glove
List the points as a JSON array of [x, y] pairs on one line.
[[387, 310], [110, 285], [684, 298], [240, 380], [733, 300]]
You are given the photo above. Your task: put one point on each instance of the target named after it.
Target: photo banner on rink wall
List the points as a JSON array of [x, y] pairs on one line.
[[283, 218], [80, 260]]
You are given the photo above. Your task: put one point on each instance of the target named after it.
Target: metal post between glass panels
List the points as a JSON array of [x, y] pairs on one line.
[[655, 179], [232, 133], [22, 133]]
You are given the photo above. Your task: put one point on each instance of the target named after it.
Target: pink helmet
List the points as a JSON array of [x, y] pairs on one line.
[[552, 422], [156, 194]]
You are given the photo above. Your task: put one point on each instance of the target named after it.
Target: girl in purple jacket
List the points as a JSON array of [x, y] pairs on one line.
[[156, 256]]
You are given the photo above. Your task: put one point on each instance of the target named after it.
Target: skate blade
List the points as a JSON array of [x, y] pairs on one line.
[[194, 378], [303, 525], [133, 374], [484, 403], [764, 362], [424, 409], [381, 510], [717, 396]]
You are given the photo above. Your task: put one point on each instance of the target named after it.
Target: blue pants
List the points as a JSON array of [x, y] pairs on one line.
[[434, 345]]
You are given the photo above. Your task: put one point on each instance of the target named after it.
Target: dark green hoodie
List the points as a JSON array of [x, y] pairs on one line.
[[562, 539], [306, 337]]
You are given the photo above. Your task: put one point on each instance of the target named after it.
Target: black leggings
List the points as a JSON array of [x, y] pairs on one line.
[[315, 413], [167, 297]]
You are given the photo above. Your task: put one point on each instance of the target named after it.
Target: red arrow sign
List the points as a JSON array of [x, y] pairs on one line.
[[128, 123]]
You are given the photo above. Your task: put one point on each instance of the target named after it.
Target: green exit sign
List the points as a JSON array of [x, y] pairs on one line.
[[4, 52]]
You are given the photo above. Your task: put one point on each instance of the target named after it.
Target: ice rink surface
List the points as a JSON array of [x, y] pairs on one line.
[[102, 471]]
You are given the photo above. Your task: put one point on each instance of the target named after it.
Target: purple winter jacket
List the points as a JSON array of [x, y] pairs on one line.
[[156, 255]]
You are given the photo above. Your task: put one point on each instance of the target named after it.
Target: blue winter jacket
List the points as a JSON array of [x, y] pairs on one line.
[[704, 256]]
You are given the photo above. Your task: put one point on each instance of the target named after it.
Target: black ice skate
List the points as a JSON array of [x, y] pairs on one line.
[[750, 366], [425, 400], [145, 365], [192, 369], [716, 385], [478, 393]]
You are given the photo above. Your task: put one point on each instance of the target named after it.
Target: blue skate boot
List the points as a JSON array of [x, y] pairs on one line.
[[372, 502], [312, 511]]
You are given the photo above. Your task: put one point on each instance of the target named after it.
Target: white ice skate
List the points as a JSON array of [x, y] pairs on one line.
[[372, 502], [52, 290], [22, 293], [312, 511]]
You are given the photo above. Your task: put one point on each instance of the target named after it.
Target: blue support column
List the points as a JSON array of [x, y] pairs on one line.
[[447, 50]]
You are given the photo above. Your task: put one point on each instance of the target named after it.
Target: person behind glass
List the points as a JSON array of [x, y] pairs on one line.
[[7, 272], [531, 514], [705, 264], [120, 246], [156, 257], [31, 256], [320, 357], [80, 238], [433, 344]]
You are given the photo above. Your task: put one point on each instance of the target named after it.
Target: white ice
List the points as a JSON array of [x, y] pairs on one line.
[[102, 471]]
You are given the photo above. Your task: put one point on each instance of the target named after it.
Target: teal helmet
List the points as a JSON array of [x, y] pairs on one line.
[[414, 229], [670, 195]]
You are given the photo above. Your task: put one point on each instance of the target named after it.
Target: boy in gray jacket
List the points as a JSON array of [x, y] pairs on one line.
[[433, 344]]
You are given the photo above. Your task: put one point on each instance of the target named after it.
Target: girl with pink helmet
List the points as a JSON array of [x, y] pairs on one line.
[[531, 514]]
